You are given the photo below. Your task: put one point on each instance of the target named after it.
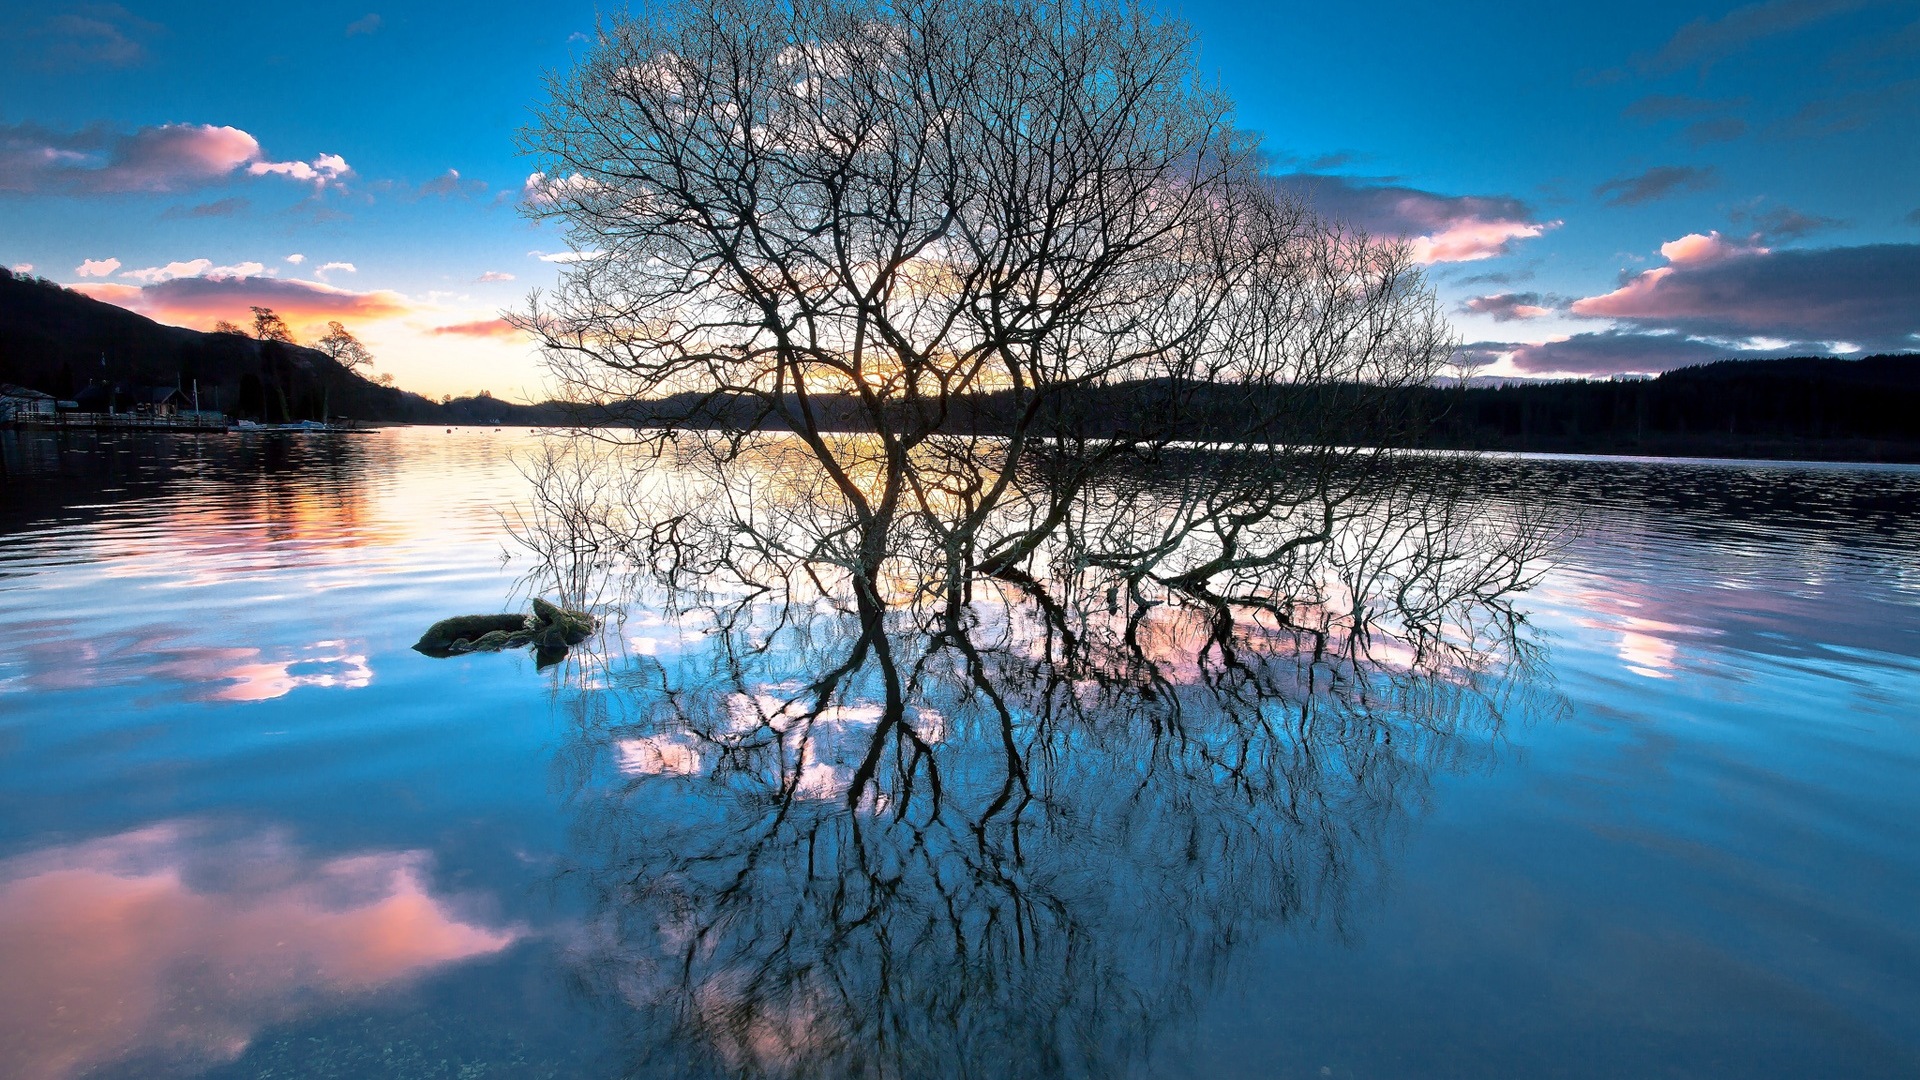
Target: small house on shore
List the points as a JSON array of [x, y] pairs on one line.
[[154, 401], [161, 401], [18, 402]]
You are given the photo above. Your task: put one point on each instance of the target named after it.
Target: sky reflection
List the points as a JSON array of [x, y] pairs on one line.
[[59, 658], [1680, 842], [171, 942]]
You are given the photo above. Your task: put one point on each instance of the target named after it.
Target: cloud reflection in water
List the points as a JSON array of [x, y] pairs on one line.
[[171, 943]]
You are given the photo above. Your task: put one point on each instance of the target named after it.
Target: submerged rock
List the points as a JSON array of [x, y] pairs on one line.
[[493, 641], [551, 630], [442, 637], [556, 627]]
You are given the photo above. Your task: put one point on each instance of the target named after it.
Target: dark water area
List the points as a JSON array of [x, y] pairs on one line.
[[246, 830]]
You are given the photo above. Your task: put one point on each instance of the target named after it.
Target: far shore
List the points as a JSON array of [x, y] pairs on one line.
[[1706, 448]]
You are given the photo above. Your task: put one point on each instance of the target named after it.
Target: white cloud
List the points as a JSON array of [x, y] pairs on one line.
[[193, 268], [97, 267], [565, 256], [543, 190], [321, 171], [296, 258], [153, 275], [328, 268], [496, 275]]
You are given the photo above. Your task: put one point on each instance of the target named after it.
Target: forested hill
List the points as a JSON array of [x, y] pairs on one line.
[[1816, 407], [59, 342]]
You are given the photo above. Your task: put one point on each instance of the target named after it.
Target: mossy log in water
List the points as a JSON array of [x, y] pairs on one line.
[[550, 629], [441, 636]]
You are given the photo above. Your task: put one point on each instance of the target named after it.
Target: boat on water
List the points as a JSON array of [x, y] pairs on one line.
[[305, 426]]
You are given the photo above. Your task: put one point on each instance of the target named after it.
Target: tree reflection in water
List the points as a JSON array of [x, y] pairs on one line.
[[934, 814]]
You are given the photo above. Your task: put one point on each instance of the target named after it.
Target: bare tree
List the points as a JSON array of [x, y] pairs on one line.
[[345, 349], [912, 213], [268, 326]]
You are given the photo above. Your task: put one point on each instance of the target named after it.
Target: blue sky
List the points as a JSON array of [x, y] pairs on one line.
[[1597, 188]]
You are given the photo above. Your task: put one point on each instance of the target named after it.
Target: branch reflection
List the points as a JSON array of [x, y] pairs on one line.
[[1006, 795]]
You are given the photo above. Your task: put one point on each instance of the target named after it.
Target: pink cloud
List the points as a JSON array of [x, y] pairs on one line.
[[1441, 228], [1694, 249], [1713, 287], [484, 328], [200, 301], [1641, 296], [1469, 241], [171, 157]]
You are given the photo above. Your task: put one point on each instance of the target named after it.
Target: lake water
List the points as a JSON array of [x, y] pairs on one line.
[[245, 830]]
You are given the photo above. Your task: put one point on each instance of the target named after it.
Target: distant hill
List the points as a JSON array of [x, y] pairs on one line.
[[59, 342]]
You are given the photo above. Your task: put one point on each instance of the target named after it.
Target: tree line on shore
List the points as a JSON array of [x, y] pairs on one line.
[[1818, 407]]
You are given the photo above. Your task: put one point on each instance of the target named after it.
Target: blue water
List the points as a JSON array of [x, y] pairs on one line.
[[245, 830]]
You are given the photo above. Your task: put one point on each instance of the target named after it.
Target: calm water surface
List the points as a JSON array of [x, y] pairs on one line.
[[246, 831]]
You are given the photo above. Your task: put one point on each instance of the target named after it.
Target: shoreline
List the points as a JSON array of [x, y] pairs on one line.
[[1716, 451]]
